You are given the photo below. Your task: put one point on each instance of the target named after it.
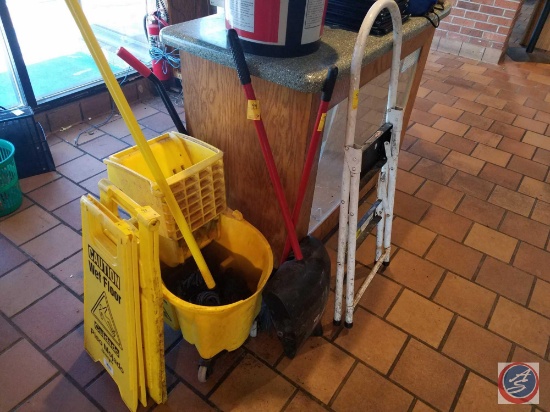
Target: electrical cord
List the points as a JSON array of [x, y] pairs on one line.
[[109, 117], [158, 54]]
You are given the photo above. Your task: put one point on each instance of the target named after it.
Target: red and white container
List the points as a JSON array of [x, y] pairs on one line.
[[277, 28]]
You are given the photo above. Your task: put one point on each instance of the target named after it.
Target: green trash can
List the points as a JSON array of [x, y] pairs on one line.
[[10, 191]]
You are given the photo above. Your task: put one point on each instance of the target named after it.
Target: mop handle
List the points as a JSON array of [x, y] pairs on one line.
[[317, 133], [148, 74], [137, 134], [244, 76]]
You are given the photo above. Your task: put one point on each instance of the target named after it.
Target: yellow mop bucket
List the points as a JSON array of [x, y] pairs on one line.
[[212, 329]]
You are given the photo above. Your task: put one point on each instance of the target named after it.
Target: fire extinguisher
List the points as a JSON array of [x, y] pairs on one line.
[[154, 22]]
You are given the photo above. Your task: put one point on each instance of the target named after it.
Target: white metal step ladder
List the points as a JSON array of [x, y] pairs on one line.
[[378, 153]]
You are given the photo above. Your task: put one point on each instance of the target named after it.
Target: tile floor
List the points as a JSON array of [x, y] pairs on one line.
[[468, 286]]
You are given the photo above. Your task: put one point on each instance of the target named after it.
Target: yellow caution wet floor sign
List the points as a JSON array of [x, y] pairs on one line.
[[123, 294], [110, 274], [150, 296]]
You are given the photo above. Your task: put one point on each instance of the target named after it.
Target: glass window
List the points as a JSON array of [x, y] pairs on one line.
[[9, 88], [57, 58]]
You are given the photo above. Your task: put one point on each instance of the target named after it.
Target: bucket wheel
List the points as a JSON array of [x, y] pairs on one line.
[[205, 369]]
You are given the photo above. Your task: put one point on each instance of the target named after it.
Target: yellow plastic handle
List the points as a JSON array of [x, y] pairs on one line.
[[139, 138]]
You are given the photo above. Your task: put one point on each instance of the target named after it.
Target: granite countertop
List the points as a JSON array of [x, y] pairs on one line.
[[206, 38]]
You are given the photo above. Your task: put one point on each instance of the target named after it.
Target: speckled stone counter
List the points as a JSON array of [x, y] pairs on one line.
[[206, 38], [289, 92]]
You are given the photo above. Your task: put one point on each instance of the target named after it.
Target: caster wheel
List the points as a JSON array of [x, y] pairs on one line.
[[254, 329], [318, 331], [203, 374]]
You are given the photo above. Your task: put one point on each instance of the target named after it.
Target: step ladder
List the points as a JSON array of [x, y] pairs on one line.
[[379, 153]]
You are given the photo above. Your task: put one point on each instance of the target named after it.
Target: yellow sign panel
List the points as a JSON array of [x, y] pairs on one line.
[[110, 269], [150, 286]]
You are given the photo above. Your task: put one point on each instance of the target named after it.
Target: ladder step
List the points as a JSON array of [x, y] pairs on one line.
[[374, 155], [369, 220]]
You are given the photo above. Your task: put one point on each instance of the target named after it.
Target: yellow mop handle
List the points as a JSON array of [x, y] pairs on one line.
[[139, 138]]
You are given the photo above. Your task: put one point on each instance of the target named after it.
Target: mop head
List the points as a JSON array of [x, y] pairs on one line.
[[230, 288]]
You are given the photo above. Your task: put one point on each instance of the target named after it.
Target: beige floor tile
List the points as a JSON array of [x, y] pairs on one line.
[[528, 167], [463, 162], [420, 406], [372, 340], [471, 185], [491, 242], [533, 260], [414, 272], [82, 168], [58, 395], [56, 194], [483, 136], [183, 359], [70, 272], [23, 370], [439, 195], [428, 374], [22, 286], [446, 223], [498, 115], [66, 240], [451, 126], [536, 189], [500, 176], [11, 256], [420, 317], [541, 212], [181, 397], [480, 211], [446, 111], [319, 368], [302, 402], [268, 347], [454, 256], [505, 280], [469, 106], [507, 130], [525, 229], [411, 237], [8, 334], [365, 390], [521, 325], [465, 298], [252, 386], [516, 148], [434, 171], [508, 199], [407, 160], [379, 295], [409, 207], [34, 182], [27, 224], [476, 348], [64, 152], [481, 395], [408, 182], [539, 300], [492, 155], [429, 150], [457, 143]]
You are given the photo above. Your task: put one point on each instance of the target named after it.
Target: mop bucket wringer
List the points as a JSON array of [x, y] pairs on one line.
[[194, 172]]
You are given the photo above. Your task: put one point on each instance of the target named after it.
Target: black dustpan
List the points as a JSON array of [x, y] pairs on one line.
[[296, 295]]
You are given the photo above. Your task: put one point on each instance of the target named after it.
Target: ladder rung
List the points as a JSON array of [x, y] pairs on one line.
[[369, 220]]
